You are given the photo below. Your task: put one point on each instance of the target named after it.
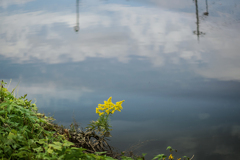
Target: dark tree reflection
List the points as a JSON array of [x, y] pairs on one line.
[[197, 32], [206, 13], [76, 28]]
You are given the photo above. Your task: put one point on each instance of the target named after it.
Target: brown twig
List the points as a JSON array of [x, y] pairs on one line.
[[192, 157]]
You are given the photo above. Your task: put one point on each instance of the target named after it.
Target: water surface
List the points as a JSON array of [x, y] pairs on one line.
[[176, 68]]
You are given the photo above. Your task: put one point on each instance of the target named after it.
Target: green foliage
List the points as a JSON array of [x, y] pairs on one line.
[[171, 149], [27, 134], [160, 157], [101, 126], [163, 157], [186, 158]]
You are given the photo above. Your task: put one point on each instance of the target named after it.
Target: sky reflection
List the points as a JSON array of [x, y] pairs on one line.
[[161, 36], [177, 90]]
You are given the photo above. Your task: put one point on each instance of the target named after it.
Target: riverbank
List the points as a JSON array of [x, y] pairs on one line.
[[27, 134]]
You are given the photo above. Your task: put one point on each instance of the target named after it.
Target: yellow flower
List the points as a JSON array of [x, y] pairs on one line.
[[101, 106], [179, 159], [118, 110], [110, 99], [119, 103], [107, 111], [101, 114], [105, 102], [109, 107], [170, 157]]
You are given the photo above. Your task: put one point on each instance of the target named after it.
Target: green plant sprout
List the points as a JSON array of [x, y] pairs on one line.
[[163, 157], [160, 157]]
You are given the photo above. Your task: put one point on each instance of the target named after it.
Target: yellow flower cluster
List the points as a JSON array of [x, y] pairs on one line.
[[109, 107], [170, 157]]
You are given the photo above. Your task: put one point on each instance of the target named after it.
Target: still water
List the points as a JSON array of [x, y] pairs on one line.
[[175, 63]]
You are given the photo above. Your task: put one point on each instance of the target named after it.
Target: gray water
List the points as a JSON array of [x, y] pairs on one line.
[[177, 69]]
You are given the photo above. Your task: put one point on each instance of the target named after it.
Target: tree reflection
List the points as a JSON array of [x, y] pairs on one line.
[[197, 32], [76, 28], [206, 13]]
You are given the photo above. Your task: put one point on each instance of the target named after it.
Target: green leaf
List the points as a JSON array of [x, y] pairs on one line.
[[109, 158], [160, 156], [2, 119], [3, 83], [126, 158], [2, 112], [57, 147], [10, 135], [169, 148], [33, 119], [39, 149], [99, 153], [185, 157], [25, 95], [67, 143], [9, 108], [144, 154], [23, 129], [40, 114], [2, 105], [7, 148], [50, 150], [36, 126], [14, 131], [58, 143], [42, 141], [21, 154], [14, 146], [34, 108]]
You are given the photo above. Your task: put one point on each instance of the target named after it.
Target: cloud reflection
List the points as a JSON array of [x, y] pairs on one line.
[[8, 3], [163, 37], [50, 89]]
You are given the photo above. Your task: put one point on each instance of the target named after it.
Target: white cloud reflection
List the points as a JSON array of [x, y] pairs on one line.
[[7, 3], [161, 36], [50, 89]]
